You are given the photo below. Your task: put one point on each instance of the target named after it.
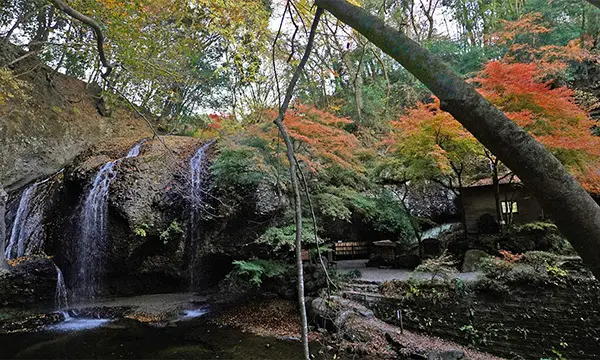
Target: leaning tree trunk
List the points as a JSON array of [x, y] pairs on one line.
[[560, 195]]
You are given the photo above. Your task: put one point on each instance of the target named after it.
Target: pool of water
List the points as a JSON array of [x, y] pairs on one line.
[[76, 324], [195, 338], [195, 313]]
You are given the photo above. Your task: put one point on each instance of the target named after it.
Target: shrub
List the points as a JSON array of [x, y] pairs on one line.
[[539, 259], [530, 267], [171, 232], [284, 237], [257, 270], [538, 226], [510, 257], [495, 268], [443, 266], [237, 167]]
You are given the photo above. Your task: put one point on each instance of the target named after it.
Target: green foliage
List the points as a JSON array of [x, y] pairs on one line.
[[556, 272], [539, 259], [333, 206], [171, 232], [354, 274], [537, 226], [443, 266], [236, 167], [141, 230], [12, 88], [530, 267], [257, 270], [382, 209], [284, 237], [463, 60], [495, 268], [386, 213], [470, 333]]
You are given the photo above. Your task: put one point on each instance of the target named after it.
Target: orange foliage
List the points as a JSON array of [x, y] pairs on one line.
[[510, 257], [522, 38], [219, 125], [323, 135], [430, 140], [549, 114], [319, 137]]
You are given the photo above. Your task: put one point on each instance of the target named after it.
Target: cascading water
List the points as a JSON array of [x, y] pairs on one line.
[[27, 234], [3, 200], [60, 298], [93, 227], [198, 169]]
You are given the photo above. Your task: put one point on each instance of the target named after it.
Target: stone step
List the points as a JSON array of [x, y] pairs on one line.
[[363, 297], [362, 287]]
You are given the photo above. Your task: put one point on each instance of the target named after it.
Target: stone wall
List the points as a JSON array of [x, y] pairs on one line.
[[529, 321]]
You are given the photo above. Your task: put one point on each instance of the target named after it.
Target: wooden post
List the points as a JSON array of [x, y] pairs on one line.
[[399, 316]]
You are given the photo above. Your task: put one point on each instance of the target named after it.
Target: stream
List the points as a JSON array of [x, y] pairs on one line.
[[195, 338], [159, 326]]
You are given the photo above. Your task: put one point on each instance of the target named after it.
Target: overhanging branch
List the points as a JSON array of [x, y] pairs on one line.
[[62, 6]]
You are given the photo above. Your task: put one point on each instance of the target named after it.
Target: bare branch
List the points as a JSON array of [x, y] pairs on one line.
[[132, 105], [62, 6]]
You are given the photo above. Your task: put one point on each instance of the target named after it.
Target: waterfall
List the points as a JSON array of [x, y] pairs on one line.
[[198, 170], [135, 150], [27, 234], [3, 200], [198, 177], [60, 298], [93, 228]]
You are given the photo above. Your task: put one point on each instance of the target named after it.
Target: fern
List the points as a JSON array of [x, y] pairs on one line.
[[258, 269]]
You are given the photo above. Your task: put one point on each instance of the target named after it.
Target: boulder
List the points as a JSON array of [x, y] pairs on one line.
[[66, 120], [472, 259], [31, 281], [408, 261]]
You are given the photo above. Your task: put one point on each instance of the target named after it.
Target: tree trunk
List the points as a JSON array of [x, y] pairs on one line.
[[496, 186], [461, 199], [560, 195], [294, 179]]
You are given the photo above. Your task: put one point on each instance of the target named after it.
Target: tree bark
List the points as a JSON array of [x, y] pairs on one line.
[[62, 6], [560, 195]]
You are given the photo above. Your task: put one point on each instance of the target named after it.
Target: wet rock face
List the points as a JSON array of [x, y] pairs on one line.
[[3, 200], [32, 281], [145, 245], [149, 219]]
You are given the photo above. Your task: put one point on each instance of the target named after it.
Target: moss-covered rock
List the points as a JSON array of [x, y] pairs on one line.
[[472, 260]]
